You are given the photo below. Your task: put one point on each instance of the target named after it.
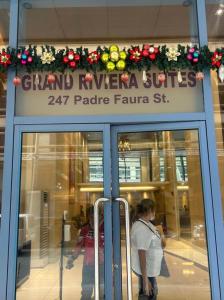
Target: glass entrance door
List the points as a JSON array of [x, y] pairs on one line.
[[63, 171], [62, 176], [160, 171]]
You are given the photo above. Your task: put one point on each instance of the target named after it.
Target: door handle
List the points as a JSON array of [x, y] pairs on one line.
[[128, 245], [96, 245]]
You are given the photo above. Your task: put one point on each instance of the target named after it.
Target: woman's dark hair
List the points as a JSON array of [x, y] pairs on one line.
[[145, 206]]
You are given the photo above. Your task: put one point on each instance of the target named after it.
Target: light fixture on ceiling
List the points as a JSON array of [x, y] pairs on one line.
[[59, 186], [124, 145], [220, 10], [122, 188]]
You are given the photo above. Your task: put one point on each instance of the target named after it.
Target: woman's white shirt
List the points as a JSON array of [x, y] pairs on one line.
[[142, 238]]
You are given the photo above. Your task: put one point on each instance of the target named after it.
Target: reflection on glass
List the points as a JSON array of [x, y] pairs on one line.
[[218, 104], [4, 23], [2, 142], [215, 21], [170, 175], [4, 39], [3, 87], [91, 21], [56, 236]]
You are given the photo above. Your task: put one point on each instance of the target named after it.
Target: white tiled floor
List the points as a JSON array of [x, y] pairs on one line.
[[187, 281], [186, 250]]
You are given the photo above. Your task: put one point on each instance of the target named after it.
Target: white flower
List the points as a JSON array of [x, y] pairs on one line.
[[70, 56], [47, 58], [151, 49], [172, 54], [221, 73]]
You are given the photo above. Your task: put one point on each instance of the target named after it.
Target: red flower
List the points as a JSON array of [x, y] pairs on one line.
[[156, 49], [153, 51], [65, 59], [216, 59], [93, 57], [71, 58], [145, 52], [72, 64], [77, 57], [152, 56], [135, 54], [5, 59], [146, 47], [150, 51]]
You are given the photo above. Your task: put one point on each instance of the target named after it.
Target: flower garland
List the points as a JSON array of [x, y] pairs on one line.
[[109, 59]]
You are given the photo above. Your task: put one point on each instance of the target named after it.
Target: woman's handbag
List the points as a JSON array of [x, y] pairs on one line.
[[164, 271]]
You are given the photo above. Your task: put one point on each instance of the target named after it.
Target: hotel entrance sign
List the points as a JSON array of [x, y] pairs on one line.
[[108, 95]]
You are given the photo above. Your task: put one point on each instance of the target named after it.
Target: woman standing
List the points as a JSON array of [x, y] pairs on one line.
[[147, 250]]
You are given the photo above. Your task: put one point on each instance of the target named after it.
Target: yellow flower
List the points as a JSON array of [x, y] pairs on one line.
[[47, 58]]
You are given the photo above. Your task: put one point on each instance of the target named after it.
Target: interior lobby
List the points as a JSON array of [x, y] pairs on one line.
[[63, 173]]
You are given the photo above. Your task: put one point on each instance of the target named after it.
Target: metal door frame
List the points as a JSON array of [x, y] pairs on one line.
[[110, 155], [207, 195], [15, 202]]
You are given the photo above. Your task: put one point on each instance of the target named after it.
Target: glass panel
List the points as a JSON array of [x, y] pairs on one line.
[[90, 23], [215, 20], [3, 87], [4, 23], [170, 176], [90, 20], [56, 183], [4, 40]]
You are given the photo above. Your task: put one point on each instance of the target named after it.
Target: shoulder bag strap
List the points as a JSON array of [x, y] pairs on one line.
[[149, 228]]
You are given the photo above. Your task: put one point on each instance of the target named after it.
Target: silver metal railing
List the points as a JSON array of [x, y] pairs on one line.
[[128, 246], [96, 245]]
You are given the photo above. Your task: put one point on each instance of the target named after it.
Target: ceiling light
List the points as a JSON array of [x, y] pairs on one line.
[[219, 12], [182, 187], [138, 188], [122, 188]]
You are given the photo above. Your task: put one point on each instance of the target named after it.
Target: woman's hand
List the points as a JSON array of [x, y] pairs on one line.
[[147, 287]]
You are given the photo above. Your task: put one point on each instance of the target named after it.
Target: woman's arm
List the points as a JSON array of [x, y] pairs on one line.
[[147, 287], [163, 239]]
